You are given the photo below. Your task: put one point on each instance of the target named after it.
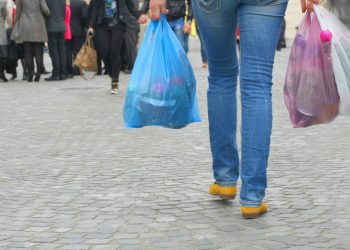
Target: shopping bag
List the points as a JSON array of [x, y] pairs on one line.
[[162, 88], [310, 90], [340, 54], [86, 59]]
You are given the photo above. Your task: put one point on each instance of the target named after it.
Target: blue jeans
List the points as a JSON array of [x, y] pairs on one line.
[[177, 26], [203, 50], [260, 23]]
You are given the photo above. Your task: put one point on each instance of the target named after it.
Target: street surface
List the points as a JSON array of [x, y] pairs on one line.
[[72, 177]]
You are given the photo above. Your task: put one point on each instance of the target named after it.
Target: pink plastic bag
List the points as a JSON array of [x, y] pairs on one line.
[[310, 90]]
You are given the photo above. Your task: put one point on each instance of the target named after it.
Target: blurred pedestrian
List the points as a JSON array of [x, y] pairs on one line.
[[176, 16], [108, 19], [3, 40], [56, 30], [30, 29]]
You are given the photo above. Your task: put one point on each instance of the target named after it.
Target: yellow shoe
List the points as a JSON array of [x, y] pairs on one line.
[[253, 212], [227, 193]]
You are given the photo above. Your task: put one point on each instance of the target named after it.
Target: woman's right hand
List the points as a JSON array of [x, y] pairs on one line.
[[308, 5], [157, 7]]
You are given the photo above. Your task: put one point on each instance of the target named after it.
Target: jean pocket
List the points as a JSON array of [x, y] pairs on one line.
[[210, 6]]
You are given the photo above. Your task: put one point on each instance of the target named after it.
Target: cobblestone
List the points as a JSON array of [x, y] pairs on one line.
[[72, 177]]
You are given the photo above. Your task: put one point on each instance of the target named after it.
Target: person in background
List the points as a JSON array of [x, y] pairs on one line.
[[282, 40], [11, 62], [56, 30], [79, 10], [129, 47], [3, 40], [30, 30], [68, 38], [108, 19], [176, 16]]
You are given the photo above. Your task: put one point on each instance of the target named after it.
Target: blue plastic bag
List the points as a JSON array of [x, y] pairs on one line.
[[162, 88]]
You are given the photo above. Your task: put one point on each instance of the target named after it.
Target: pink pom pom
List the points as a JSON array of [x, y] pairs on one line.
[[326, 36]]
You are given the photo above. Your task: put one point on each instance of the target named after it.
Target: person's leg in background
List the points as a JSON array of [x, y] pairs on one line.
[[130, 41], [2, 70], [177, 26], [203, 50], [217, 23], [259, 31], [55, 58], [62, 56], [69, 58], [29, 58], [39, 59], [117, 36], [77, 44], [103, 41]]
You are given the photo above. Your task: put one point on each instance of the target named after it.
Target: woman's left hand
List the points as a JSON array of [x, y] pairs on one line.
[[308, 5]]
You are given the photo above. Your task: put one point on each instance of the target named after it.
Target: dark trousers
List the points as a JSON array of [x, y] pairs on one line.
[[109, 43], [2, 68], [129, 49], [57, 54], [77, 44], [69, 57], [33, 50]]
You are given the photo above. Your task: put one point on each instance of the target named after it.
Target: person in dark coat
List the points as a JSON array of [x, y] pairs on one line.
[[109, 18], [56, 30], [129, 48]]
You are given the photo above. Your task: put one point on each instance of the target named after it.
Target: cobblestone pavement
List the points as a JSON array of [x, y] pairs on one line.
[[71, 176]]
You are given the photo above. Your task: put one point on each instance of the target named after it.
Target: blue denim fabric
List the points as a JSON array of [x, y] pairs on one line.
[[260, 22], [203, 50], [177, 26]]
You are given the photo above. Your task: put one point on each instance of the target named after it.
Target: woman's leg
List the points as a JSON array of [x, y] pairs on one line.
[[39, 59], [103, 44], [28, 56], [260, 26], [117, 35], [69, 58], [2, 70], [217, 23]]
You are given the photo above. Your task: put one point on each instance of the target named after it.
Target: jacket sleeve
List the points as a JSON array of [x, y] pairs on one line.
[[133, 9], [145, 7], [93, 13], [190, 11], [18, 10], [44, 8]]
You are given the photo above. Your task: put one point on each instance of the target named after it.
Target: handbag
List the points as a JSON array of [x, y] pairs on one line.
[[86, 60]]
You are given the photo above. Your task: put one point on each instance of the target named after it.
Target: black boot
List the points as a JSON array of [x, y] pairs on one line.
[[37, 78], [3, 77]]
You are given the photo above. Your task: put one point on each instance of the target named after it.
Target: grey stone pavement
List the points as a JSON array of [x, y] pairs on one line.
[[72, 177]]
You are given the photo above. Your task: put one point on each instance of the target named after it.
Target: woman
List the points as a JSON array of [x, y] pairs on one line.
[[30, 29], [3, 40], [260, 22], [108, 19]]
